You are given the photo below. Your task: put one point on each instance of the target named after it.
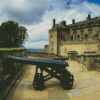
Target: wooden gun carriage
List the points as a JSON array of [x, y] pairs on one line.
[[58, 70]]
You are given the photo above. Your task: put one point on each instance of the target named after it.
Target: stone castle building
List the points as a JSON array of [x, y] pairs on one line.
[[80, 37]]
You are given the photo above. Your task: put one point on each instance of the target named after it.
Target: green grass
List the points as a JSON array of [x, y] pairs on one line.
[[39, 51], [10, 48]]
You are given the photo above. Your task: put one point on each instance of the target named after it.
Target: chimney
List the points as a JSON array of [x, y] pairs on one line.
[[63, 23], [53, 22], [73, 21], [89, 17]]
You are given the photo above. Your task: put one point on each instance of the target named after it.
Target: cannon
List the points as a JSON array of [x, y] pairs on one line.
[[58, 70]]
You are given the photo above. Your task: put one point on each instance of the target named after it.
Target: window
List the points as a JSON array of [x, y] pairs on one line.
[[51, 35], [63, 37], [95, 60], [65, 40], [86, 35], [52, 42], [90, 31], [78, 36], [72, 37], [52, 49], [84, 58]]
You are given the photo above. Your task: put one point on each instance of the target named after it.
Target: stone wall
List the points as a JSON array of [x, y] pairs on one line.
[[85, 33], [53, 41], [80, 48], [7, 69], [41, 55], [91, 44], [88, 61], [96, 64], [46, 48], [46, 55], [98, 47]]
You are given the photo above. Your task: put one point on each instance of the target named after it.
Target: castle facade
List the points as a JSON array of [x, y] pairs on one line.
[[80, 37]]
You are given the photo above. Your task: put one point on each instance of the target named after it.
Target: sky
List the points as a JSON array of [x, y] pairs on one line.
[[37, 16]]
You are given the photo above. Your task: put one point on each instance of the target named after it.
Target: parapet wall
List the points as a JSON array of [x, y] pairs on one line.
[[41, 55], [46, 55], [6, 70], [46, 48], [88, 61]]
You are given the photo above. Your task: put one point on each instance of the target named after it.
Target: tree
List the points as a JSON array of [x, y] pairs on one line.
[[22, 35], [11, 35]]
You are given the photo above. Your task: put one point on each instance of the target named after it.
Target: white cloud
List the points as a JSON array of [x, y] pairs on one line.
[[18, 3], [40, 32], [36, 45], [37, 16], [25, 12], [92, 7]]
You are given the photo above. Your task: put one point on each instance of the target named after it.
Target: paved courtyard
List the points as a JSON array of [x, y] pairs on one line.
[[86, 86]]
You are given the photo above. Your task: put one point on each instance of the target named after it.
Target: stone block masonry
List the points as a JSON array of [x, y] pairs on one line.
[[7, 69], [80, 37]]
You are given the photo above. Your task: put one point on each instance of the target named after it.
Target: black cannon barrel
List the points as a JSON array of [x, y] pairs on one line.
[[41, 62]]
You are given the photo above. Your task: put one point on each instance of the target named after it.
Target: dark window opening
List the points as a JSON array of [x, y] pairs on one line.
[[71, 37], [52, 42], [86, 35], [84, 58], [97, 33], [95, 60], [90, 31], [63, 37], [51, 35], [52, 48], [78, 36]]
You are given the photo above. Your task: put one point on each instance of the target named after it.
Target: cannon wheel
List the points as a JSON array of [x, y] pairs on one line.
[[67, 80], [38, 82]]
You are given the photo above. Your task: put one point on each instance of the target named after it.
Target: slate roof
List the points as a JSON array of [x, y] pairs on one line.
[[60, 26], [92, 20], [85, 22]]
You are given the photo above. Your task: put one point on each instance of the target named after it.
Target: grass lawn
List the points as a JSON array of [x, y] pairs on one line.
[[10, 48], [41, 51]]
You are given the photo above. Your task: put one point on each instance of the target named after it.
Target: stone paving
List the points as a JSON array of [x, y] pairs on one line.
[[86, 86]]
